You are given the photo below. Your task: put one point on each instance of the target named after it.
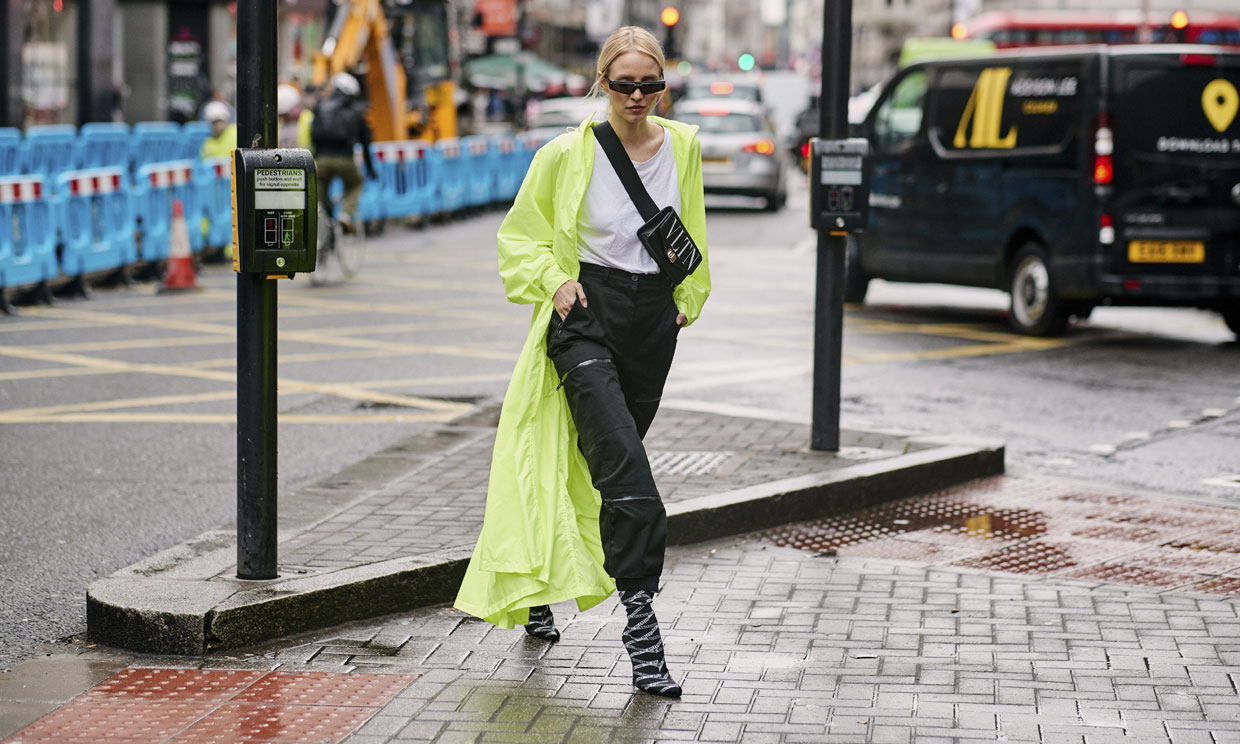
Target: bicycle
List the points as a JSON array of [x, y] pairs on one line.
[[345, 249]]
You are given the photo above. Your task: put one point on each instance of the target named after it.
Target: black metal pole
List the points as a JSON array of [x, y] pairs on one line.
[[829, 308], [94, 63], [256, 311]]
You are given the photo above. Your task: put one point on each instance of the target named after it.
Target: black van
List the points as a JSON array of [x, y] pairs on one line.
[[1071, 178]]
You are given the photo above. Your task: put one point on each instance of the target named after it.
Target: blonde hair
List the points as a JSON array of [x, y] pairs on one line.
[[625, 39]]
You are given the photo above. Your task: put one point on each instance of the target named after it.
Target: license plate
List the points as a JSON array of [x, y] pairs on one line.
[[1166, 251], [722, 162]]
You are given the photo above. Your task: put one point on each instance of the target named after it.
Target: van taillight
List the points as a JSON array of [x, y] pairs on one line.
[[1104, 170], [1104, 145], [1205, 60], [1106, 229]]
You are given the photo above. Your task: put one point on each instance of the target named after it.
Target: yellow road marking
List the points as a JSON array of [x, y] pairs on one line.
[[105, 405], [877, 357], [341, 390], [41, 374], [136, 343], [226, 418]]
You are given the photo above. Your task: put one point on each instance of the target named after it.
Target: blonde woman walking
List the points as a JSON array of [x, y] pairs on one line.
[[573, 511]]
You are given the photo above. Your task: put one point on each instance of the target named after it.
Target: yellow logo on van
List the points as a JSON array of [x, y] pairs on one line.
[[1220, 102], [985, 110]]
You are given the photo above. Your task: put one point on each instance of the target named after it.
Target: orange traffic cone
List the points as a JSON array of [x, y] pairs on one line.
[[180, 274]]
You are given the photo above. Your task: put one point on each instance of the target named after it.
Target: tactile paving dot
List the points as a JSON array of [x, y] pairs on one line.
[[1123, 573], [1226, 585], [111, 720], [325, 688], [170, 685], [237, 722]]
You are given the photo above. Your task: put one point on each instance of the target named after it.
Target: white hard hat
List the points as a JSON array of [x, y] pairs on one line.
[[346, 84], [287, 98], [216, 111]]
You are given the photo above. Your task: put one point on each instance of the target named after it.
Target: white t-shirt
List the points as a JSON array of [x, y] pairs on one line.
[[608, 221]]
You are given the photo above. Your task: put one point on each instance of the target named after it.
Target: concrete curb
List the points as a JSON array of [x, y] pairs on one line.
[[189, 609]]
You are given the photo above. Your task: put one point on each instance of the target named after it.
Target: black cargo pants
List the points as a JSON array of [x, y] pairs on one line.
[[612, 358]]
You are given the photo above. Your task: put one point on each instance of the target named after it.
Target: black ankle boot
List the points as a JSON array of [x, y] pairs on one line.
[[645, 646], [542, 624]]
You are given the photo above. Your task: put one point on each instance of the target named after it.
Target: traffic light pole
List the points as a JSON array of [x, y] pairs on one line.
[[829, 289], [256, 311]]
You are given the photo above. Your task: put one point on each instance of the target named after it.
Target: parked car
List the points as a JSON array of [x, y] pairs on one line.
[[739, 155], [722, 86], [552, 117], [1070, 177]]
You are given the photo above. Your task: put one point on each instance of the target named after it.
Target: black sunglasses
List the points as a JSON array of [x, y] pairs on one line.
[[626, 87]]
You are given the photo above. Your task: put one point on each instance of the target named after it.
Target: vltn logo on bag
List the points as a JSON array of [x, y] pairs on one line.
[[679, 240]]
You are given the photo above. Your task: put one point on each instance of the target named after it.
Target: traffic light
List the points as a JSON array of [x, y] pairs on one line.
[[670, 17], [1179, 24], [745, 62]]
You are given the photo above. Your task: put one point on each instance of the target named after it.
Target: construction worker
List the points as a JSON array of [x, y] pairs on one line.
[[288, 107], [339, 125], [223, 138]]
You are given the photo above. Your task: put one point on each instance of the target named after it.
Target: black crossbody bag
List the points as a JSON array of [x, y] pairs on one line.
[[663, 235]]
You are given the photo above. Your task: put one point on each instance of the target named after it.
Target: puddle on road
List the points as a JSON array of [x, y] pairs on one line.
[[1044, 528]]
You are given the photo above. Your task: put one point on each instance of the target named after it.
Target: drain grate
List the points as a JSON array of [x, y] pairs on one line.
[[687, 463]]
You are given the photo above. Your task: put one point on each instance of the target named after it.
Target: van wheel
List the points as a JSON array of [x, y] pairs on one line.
[[1035, 306], [856, 283], [1231, 316]]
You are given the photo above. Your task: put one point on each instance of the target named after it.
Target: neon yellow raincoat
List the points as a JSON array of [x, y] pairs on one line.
[[540, 539]]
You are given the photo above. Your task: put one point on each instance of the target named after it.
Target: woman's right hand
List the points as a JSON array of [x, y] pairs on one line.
[[568, 293]]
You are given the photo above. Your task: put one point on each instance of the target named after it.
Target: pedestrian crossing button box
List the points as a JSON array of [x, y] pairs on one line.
[[839, 187], [275, 211]]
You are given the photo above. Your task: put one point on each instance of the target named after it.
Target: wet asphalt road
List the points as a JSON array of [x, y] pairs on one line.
[[115, 413]]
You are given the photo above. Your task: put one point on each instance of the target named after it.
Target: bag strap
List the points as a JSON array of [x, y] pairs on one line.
[[623, 166]]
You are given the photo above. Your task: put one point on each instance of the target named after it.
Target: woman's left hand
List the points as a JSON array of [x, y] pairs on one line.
[[681, 319]]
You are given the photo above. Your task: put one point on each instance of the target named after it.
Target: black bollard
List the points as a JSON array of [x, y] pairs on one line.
[[256, 312], [829, 289]]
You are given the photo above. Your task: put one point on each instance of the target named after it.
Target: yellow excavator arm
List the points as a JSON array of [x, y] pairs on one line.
[[360, 33]]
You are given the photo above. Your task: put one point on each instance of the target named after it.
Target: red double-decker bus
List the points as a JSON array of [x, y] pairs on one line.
[[1024, 29]]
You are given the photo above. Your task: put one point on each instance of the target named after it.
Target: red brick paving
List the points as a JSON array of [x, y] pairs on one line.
[[1073, 532], [227, 706]]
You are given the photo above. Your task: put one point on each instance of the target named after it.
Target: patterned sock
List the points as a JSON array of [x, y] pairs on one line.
[[645, 645], [542, 624]]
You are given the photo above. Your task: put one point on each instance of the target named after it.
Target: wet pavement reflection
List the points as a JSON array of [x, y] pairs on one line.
[[1040, 527]]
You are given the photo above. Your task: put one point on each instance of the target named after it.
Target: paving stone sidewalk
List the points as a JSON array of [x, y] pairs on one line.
[[770, 643], [776, 644], [394, 532], [439, 502]]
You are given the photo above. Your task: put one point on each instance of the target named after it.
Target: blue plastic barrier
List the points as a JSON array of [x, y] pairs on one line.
[[49, 150], [215, 191], [27, 240], [156, 186], [509, 173], [193, 134], [10, 151], [155, 142], [103, 145], [370, 203], [96, 216], [480, 169], [529, 145], [453, 186], [388, 159], [406, 171], [425, 172]]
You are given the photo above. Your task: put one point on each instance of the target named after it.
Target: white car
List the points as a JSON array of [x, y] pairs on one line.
[[739, 154], [552, 117]]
